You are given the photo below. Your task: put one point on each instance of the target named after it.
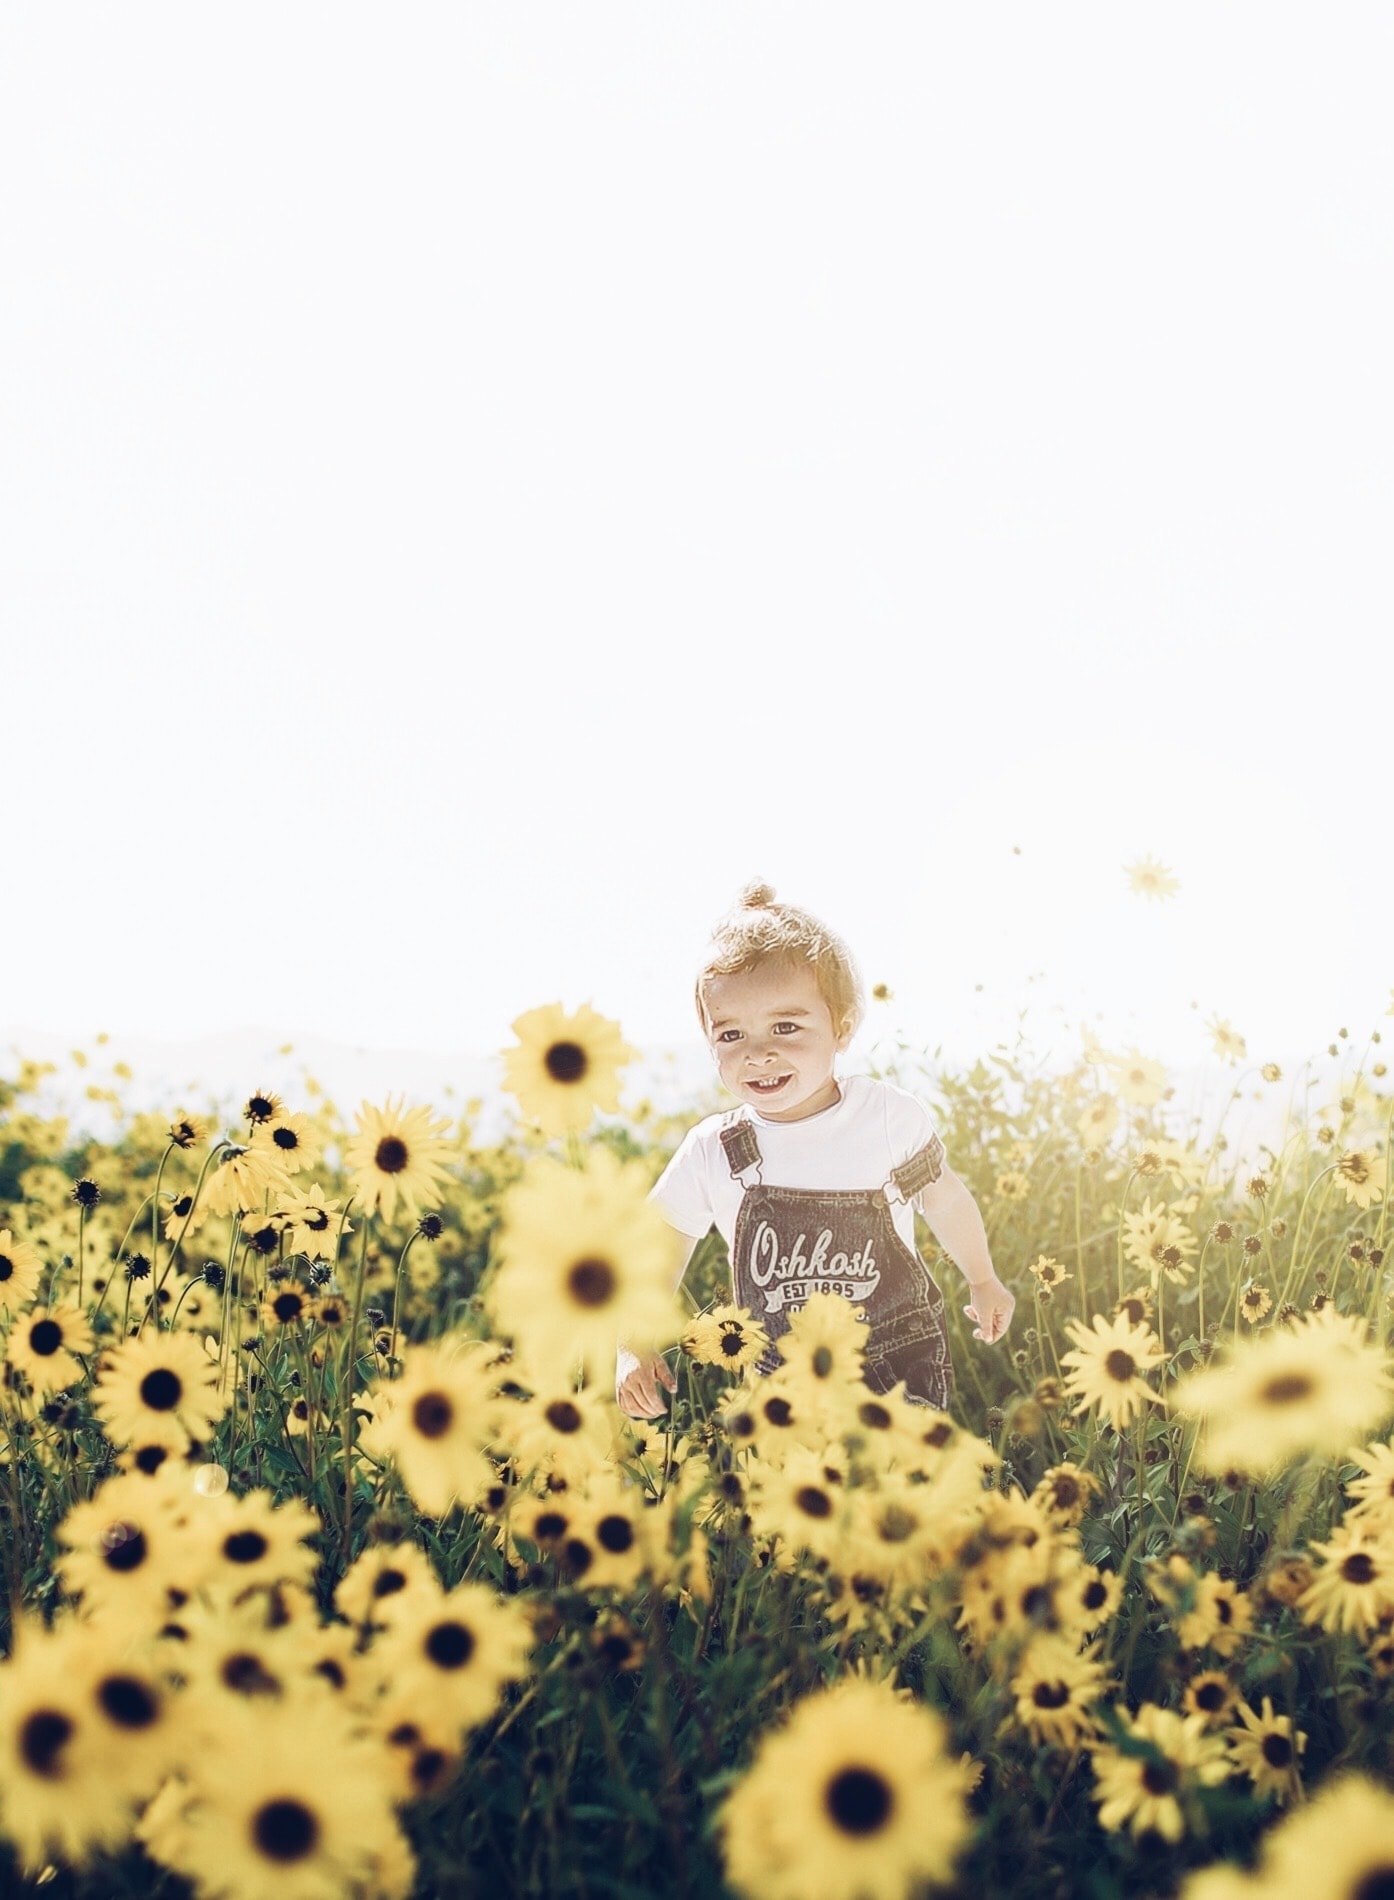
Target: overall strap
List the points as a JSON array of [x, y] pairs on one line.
[[742, 1149], [916, 1173]]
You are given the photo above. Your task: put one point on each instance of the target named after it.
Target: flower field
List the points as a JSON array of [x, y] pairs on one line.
[[332, 1566]]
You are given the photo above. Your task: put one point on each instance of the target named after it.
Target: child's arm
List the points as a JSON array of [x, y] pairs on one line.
[[957, 1224], [637, 1375]]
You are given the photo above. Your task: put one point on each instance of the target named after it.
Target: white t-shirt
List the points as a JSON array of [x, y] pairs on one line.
[[855, 1143]]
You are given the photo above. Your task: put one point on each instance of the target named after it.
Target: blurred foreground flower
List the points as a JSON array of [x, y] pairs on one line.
[[565, 1067], [1338, 1845], [855, 1793], [584, 1258], [1309, 1387]]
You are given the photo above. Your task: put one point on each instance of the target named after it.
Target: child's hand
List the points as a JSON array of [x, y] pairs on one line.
[[992, 1306], [637, 1382]]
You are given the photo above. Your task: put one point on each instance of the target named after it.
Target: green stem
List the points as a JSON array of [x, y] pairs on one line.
[[350, 1365], [397, 1295]]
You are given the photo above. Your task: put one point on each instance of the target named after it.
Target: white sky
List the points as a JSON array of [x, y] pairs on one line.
[[477, 485]]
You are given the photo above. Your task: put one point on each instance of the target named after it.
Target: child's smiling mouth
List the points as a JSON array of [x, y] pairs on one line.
[[768, 1087]]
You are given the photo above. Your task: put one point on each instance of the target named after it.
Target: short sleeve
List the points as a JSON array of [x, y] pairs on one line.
[[916, 1140], [681, 1192]]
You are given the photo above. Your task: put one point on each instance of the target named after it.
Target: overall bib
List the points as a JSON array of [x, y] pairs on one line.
[[790, 1243]]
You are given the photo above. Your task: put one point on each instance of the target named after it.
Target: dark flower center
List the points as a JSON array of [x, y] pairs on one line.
[[874, 1415], [245, 1547], [245, 1674], [575, 1557], [548, 1525], [1050, 1695], [1277, 1751], [1358, 1568], [1160, 1777], [1377, 1883], [859, 1800], [1210, 1696], [7, 1267], [450, 1645], [388, 1582], [592, 1282], [813, 1502], [895, 1524], [41, 1741], [285, 1138], [127, 1701], [123, 1547], [391, 1156], [1120, 1365], [1287, 1388], [615, 1534], [428, 1768], [431, 1414], [566, 1062], [150, 1457], [161, 1389], [822, 1362], [285, 1830], [46, 1338], [563, 1416], [779, 1412], [287, 1306], [1095, 1594]]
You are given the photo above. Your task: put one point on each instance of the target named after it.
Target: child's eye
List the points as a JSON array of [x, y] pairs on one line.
[[727, 1032], [793, 1028]]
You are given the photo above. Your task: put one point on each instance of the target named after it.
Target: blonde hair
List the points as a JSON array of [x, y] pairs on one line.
[[757, 930]]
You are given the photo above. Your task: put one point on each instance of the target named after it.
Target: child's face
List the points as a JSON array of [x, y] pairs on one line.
[[770, 1025]]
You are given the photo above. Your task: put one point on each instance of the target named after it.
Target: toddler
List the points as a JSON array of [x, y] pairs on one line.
[[813, 1180]]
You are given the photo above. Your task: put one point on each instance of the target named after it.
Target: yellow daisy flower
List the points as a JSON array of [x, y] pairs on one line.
[[565, 1067], [312, 1223], [456, 1650], [398, 1155], [1289, 1391], [1108, 1362], [242, 1181], [289, 1819], [1353, 1588], [159, 1388], [293, 1139], [1148, 1791], [21, 1269], [43, 1344], [1148, 877], [1141, 1080], [854, 1792], [1362, 1174], [1265, 1747], [584, 1258], [1339, 1845], [1226, 1041]]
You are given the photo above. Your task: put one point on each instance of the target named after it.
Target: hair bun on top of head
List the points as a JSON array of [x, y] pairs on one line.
[[755, 896]]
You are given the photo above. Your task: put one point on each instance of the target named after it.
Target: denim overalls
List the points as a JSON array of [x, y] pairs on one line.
[[790, 1241]]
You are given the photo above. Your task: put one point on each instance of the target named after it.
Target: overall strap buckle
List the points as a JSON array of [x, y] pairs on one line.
[[923, 1167], [742, 1148]]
